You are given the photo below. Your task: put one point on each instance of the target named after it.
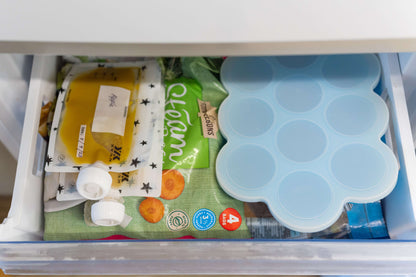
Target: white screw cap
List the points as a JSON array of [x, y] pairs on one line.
[[107, 213], [93, 182]]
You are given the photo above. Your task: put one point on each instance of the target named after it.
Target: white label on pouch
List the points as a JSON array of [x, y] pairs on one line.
[[111, 110], [81, 141]]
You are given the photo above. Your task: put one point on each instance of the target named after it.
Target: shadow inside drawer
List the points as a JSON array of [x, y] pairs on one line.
[[5, 201]]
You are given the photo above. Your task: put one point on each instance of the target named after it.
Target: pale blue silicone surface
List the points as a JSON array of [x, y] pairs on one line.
[[303, 135]]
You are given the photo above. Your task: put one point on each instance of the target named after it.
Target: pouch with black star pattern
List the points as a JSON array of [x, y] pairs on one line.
[[145, 181], [106, 113]]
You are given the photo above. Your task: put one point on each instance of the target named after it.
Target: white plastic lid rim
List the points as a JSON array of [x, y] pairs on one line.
[[93, 182], [107, 213]]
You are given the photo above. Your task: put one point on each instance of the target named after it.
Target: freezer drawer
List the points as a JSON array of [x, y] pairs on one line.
[[22, 249]]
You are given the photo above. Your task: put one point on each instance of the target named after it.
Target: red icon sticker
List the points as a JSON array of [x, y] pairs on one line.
[[230, 219]]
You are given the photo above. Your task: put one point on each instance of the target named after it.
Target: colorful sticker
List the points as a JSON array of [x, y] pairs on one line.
[[177, 220], [203, 219], [230, 219]]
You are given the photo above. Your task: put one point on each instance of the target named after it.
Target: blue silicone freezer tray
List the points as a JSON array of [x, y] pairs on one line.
[[303, 135]]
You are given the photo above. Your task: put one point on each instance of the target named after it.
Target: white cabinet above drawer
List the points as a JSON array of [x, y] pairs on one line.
[[186, 27]]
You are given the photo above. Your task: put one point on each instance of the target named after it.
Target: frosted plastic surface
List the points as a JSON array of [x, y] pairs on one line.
[[304, 136]]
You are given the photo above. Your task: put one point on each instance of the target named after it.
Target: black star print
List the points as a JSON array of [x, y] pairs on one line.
[[110, 167], [120, 190], [101, 65], [145, 101], [143, 67], [48, 159], [55, 128], [77, 167], [151, 85], [135, 162], [136, 123], [61, 90], [60, 189], [146, 187], [143, 143], [153, 165]]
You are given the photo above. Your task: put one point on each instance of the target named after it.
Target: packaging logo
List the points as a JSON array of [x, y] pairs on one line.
[[230, 219], [204, 219], [184, 144], [177, 220], [123, 177], [115, 152], [208, 115]]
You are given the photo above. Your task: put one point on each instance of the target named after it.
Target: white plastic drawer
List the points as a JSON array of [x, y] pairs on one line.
[[22, 249]]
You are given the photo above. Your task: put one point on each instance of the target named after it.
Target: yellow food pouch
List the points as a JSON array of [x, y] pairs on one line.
[[105, 119]]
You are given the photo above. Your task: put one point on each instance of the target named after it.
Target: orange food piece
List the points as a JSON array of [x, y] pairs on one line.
[[173, 184], [152, 209], [43, 121]]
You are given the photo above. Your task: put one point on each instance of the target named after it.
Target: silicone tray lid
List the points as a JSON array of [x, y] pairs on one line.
[[303, 135]]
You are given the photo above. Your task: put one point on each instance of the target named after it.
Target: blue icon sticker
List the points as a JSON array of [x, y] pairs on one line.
[[204, 219]]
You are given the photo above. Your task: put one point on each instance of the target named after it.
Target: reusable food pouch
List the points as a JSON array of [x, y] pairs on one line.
[[145, 181], [104, 121], [104, 113]]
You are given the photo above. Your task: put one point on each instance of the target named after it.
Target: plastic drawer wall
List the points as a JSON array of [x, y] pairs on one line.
[[14, 82], [400, 206], [408, 67], [22, 251]]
